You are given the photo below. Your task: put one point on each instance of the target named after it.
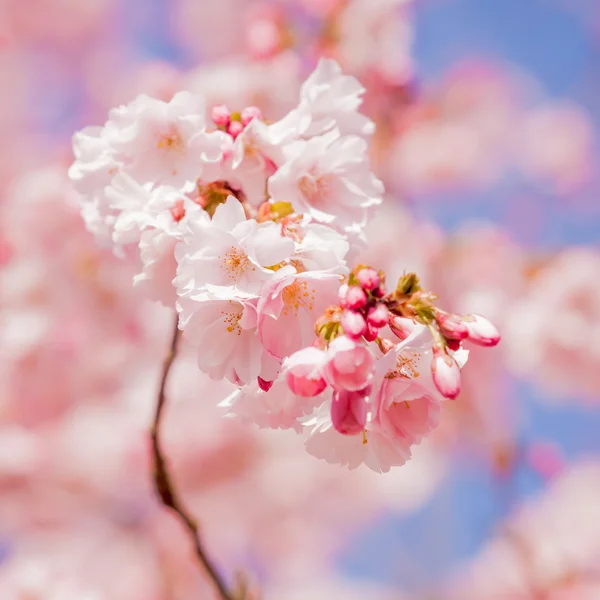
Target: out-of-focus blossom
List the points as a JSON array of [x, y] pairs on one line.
[[553, 330]]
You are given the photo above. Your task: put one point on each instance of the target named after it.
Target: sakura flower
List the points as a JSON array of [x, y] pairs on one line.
[[289, 306], [230, 251], [152, 221], [350, 365], [221, 323], [304, 372], [403, 406], [329, 179], [277, 408], [152, 141], [319, 247], [329, 100]]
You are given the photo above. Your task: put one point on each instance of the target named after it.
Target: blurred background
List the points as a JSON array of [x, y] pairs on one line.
[[487, 114]]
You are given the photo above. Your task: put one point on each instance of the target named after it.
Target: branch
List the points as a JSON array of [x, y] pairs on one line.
[[162, 478]]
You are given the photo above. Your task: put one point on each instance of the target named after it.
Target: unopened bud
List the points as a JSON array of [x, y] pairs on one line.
[[353, 324], [481, 331], [378, 315], [371, 333], [249, 113], [368, 278], [446, 374], [221, 115], [402, 327], [235, 128], [349, 412], [352, 297], [452, 326], [303, 372]]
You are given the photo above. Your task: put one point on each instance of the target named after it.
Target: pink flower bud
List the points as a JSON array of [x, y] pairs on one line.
[[371, 333], [402, 327], [303, 372], [378, 315], [221, 115], [349, 411], [350, 364], [234, 129], [342, 292], [481, 331], [452, 327], [446, 374], [264, 385], [354, 298], [249, 113], [368, 278], [353, 324]]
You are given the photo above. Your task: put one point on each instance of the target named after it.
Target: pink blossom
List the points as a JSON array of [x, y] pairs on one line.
[[329, 179], [303, 372], [353, 324], [230, 251], [350, 365], [446, 374], [279, 407], [221, 323], [481, 331], [349, 411], [330, 100], [368, 278], [352, 297], [289, 307]]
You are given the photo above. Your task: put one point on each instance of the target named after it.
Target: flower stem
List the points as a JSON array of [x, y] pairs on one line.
[[162, 478]]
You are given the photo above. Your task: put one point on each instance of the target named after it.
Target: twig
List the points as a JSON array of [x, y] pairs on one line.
[[162, 478]]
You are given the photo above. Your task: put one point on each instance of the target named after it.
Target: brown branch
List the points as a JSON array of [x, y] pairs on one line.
[[162, 478]]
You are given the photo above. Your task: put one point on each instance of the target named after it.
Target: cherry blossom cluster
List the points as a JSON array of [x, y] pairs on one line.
[[246, 227]]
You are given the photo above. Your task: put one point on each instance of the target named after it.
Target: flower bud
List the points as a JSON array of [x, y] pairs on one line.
[[368, 278], [353, 298], [264, 385], [446, 374], [402, 327], [353, 324], [249, 113], [452, 326], [378, 315], [235, 128], [221, 115], [481, 331], [349, 411], [350, 364], [371, 333], [303, 372]]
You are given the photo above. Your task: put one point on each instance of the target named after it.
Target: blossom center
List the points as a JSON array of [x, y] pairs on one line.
[[297, 295], [231, 318], [170, 140], [406, 366], [235, 263], [315, 187]]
